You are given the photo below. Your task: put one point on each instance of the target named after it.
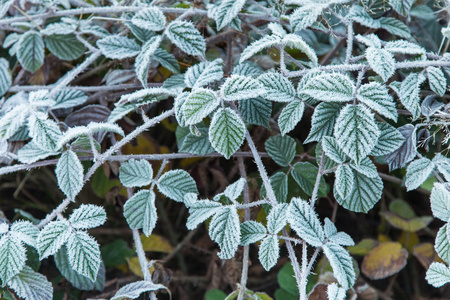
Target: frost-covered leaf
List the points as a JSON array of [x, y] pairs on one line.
[[227, 11], [281, 149], [438, 274], [150, 18], [381, 61], [334, 292], [410, 93], [92, 128], [13, 120], [69, 173], [140, 33], [234, 190], [201, 210], [304, 221], [376, 96], [45, 132], [118, 47], [365, 167], [167, 60], [278, 88], [87, 216], [239, 87], [333, 236], [442, 244], [259, 45], [279, 183], [404, 47], [332, 150], [395, 27], [5, 76], [25, 231], [65, 47], [69, 98], [356, 131], [296, 42], [52, 237], [344, 181], [277, 218], [176, 183], [370, 40], [31, 153], [186, 37], [135, 289], [305, 16], [226, 132], [204, 73], [330, 87], [443, 165], [401, 6], [84, 254], [417, 172], [252, 232], [140, 211], [136, 173], [224, 229], [430, 106], [437, 80], [197, 144], [198, 105], [146, 96], [76, 280], [390, 139], [248, 68], [269, 251], [256, 111], [407, 150], [365, 193], [305, 174], [291, 114], [175, 83], [13, 257], [31, 285], [440, 201], [143, 60], [30, 52], [342, 264]]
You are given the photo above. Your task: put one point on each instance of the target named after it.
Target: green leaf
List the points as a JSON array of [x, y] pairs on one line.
[[198, 105], [30, 52], [365, 193], [69, 173], [356, 131], [256, 111], [252, 232], [342, 264], [226, 132], [296, 42], [269, 251], [204, 73], [305, 174], [167, 60], [52, 237], [87, 216], [279, 183], [136, 173], [197, 144], [238, 87], [376, 96], [143, 60], [69, 98], [149, 18], [304, 221], [395, 27], [278, 88], [65, 47], [442, 244], [281, 149], [332, 150], [5, 76], [330, 87], [13, 257], [176, 183], [118, 47], [366, 167], [186, 37], [140, 211], [390, 139], [401, 6], [417, 172], [84, 254], [323, 121], [31, 285], [224, 229], [438, 274], [344, 182], [291, 114]]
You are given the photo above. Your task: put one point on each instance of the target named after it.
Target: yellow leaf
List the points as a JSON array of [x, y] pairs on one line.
[[386, 259], [409, 237], [135, 266], [363, 247], [425, 254], [156, 243], [412, 225]]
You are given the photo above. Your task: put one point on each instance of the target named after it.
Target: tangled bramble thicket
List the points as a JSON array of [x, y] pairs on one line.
[[327, 96]]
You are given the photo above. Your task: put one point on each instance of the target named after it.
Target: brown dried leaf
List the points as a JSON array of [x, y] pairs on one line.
[[386, 259], [425, 254]]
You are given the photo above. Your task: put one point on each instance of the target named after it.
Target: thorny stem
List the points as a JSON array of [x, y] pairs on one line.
[[244, 274], [141, 255], [87, 89], [317, 183], [349, 42]]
